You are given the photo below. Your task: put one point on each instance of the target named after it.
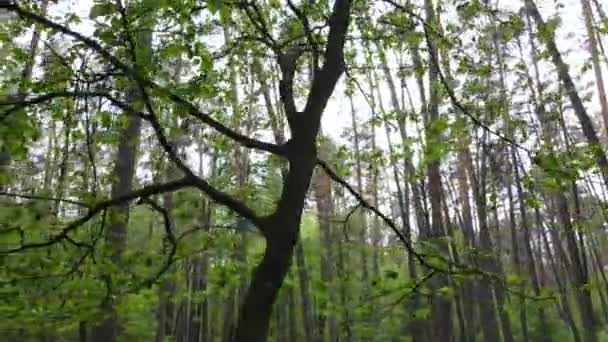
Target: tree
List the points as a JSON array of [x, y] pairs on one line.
[[163, 165]]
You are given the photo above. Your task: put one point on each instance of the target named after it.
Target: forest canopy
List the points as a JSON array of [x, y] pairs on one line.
[[303, 170]]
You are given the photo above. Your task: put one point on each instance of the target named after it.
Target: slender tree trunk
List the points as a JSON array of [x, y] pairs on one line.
[[565, 305], [544, 333], [325, 212], [515, 248], [166, 308], [595, 60], [108, 329], [414, 327], [304, 282], [583, 294], [600, 270], [359, 178], [26, 76], [293, 321], [441, 307], [418, 196], [463, 154], [487, 307], [570, 88], [343, 276]]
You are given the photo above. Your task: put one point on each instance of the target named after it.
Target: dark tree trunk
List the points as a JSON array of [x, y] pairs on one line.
[[281, 228]]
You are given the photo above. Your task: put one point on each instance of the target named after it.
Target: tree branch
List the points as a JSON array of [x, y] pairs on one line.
[[217, 195], [44, 198], [94, 210], [192, 109], [308, 33], [421, 257], [325, 80], [288, 63], [365, 204], [194, 181], [170, 237]]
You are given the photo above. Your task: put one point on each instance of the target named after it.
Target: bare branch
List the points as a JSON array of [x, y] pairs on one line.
[[215, 194], [170, 237]]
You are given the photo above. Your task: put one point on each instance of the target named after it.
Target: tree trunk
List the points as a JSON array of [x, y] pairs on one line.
[[26, 76], [487, 307], [463, 154], [414, 328], [304, 282], [325, 213], [544, 333], [570, 88], [281, 232], [303, 276], [166, 292], [583, 294], [359, 179], [441, 308], [108, 329], [281, 228], [595, 60], [565, 305]]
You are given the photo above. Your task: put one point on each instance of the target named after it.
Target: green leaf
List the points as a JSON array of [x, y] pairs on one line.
[[422, 313], [106, 119], [214, 5], [446, 292], [437, 262], [100, 10], [515, 279], [391, 274]]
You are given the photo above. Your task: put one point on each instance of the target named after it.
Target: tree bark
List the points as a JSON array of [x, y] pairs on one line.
[[544, 333]]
